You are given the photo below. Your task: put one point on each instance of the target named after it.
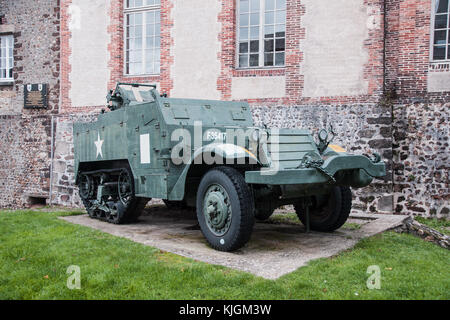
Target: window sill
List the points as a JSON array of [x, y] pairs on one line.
[[261, 68], [6, 82], [141, 75], [259, 72], [443, 65]]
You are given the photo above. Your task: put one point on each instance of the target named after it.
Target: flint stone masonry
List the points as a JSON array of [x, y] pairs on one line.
[[25, 135], [24, 159], [421, 148]]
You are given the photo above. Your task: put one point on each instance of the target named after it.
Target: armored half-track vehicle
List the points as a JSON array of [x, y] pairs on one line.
[[210, 156]]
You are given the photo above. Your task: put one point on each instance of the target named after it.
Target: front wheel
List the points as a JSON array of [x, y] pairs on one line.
[[331, 213], [225, 209]]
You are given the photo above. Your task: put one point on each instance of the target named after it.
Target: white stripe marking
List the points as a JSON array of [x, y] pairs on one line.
[[145, 148]]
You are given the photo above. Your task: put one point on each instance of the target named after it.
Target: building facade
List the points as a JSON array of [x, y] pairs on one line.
[[377, 70]]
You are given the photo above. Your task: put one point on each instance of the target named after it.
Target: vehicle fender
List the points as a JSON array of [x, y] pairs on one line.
[[229, 153]]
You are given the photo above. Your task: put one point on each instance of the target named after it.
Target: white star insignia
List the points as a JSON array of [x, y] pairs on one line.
[[99, 144]]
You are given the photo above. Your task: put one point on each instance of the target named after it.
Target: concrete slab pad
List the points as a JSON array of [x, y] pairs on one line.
[[274, 250]]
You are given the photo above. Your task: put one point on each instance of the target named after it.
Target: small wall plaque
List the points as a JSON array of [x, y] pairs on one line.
[[35, 96]]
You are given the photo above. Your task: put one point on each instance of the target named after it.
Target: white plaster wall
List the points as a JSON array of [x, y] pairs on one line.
[[438, 81], [334, 53], [196, 66], [89, 75], [258, 87]]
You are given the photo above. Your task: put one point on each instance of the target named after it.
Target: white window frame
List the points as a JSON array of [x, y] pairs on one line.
[[142, 9], [432, 30], [9, 56], [262, 7]]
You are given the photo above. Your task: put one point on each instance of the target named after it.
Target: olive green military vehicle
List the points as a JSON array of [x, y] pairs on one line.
[[210, 156]]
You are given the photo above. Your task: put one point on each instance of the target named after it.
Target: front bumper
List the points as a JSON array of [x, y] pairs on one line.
[[358, 166]]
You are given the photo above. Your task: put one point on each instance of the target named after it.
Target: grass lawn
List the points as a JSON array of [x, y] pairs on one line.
[[36, 249]]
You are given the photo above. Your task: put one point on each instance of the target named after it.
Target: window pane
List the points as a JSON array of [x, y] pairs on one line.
[[254, 60], [150, 29], [440, 22], [280, 30], [440, 36], [254, 33], [254, 19], [244, 6], [439, 53], [254, 46], [138, 19], [279, 45], [150, 17], [243, 20], [254, 5], [138, 43], [448, 54], [268, 59], [243, 47], [279, 59], [150, 43], [158, 42], [281, 17], [138, 3], [441, 6], [270, 5], [243, 33], [281, 4], [268, 46], [149, 59], [269, 18], [269, 31], [243, 60]]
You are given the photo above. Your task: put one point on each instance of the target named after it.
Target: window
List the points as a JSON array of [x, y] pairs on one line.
[[441, 35], [142, 36], [261, 33], [6, 57]]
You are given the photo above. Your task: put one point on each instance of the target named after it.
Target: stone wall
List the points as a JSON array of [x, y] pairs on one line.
[[24, 159], [25, 135], [421, 164]]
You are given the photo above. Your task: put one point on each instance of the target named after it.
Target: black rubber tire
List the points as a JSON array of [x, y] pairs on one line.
[[346, 207], [330, 216], [242, 208], [175, 205], [263, 214]]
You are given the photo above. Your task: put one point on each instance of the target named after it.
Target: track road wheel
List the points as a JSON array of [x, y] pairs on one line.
[[128, 207], [332, 213], [225, 209]]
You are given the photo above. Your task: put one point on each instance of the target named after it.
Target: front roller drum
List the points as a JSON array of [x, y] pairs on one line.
[[225, 209]]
